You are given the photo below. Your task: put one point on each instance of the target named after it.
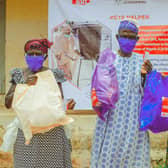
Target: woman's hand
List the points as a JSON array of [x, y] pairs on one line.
[[31, 80], [70, 104], [146, 67], [9, 96]]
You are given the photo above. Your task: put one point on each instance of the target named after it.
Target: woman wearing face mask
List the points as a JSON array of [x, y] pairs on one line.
[[51, 149], [118, 143]]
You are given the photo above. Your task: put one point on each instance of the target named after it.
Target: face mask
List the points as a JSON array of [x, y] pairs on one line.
[[35, 62], [126, 45]]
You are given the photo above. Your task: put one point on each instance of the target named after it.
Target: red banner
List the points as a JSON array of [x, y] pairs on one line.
[[153, 39]]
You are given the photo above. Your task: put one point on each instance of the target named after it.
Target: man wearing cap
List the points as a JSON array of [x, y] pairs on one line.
[[117, 142]]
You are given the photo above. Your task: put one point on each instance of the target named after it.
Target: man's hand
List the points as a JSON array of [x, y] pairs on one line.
[[146, 67], [31, 80], [70, 104]]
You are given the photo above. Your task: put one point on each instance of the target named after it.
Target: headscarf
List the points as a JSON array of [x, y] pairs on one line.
[[129, 24], [39, 44]]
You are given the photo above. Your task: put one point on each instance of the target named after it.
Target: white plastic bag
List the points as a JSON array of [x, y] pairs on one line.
[[39, 107], [10, 135]]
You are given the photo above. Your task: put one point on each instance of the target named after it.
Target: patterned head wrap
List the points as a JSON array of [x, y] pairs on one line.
[[129, 24], [39, 44]]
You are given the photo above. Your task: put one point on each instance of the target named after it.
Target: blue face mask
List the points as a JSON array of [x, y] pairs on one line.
[[35, 63], [126, 45]]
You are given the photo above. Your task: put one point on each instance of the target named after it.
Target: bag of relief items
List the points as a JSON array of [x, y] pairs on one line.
[[154, 108], [104, 88], [39, 107]]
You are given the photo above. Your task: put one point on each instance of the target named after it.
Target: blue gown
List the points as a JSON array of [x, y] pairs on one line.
[[118, 143]]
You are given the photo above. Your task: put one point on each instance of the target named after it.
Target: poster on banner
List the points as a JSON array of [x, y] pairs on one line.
[[81, 29]]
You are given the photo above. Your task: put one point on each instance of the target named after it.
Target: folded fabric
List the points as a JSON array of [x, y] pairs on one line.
[[154, 108]]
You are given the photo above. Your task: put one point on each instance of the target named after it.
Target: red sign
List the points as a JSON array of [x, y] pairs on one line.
[[136, 17], [153, 39], [80, 2], [164, 107]]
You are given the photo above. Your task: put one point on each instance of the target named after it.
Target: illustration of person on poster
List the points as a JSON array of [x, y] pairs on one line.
[[76, 48], [64, 50]]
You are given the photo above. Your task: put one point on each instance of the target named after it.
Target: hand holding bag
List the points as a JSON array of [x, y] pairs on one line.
[[104, 88], [154, 108]]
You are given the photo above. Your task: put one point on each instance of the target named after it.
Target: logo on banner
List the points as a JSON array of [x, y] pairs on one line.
[[130, 1], [80, 2]]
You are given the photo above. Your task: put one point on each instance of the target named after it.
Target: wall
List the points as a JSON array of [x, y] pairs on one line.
[[25, 19]]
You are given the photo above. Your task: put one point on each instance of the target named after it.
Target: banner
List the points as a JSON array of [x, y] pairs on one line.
[[81, 29]]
